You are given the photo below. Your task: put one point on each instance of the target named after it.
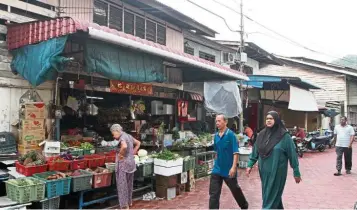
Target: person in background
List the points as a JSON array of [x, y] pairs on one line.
[[274, 148], [225, 166], [248, 131], [125, 164], [299, 133], [344, 135]]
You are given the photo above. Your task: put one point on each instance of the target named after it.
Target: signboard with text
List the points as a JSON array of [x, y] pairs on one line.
[[130, 88]]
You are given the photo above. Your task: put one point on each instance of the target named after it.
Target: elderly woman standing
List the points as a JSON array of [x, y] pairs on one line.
[[274, 148], [125, 164]]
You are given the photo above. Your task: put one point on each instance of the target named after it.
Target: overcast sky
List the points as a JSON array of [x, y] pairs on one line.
[[327, 26]]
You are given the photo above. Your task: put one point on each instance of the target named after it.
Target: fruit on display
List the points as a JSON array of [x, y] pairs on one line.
[[32, 158], [86, 146], [56, 176]]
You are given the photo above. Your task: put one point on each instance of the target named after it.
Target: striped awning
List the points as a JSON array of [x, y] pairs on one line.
[[196, 97]]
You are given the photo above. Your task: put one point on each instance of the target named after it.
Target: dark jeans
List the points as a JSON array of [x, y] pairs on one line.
[[215, 189], [347, 153]]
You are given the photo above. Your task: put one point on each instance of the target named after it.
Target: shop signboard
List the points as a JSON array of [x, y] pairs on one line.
[[130, 88]]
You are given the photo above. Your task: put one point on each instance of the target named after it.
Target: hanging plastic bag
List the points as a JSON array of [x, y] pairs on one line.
[[223, 98]]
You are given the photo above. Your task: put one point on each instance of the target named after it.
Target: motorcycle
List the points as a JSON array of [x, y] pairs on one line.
[[315, 142], [299, 146]]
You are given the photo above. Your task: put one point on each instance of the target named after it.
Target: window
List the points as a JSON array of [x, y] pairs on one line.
[[129, 23], [161, 34], [111, 15], [100, 13], [150, 31], [207, 56], [116, 18], [189, 50], [140, 27]]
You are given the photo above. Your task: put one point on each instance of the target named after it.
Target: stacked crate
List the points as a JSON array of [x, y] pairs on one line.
[[32, 127]]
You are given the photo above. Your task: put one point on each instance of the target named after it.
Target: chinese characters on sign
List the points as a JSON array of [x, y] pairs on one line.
[[130, 88]]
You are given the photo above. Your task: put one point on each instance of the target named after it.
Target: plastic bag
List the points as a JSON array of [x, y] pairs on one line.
[[223, 98]]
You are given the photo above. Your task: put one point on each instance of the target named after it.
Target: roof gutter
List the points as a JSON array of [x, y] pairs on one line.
[[118, 40]]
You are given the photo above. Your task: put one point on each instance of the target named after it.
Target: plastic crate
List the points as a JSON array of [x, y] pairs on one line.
[[53, 203], [25, 194], [102, 179], [110, 158], [82, 182], [30, 170], [146, 169], [78, 164], [7, 143], [110, 166], [62, 165], [101, 150], [94, 161], [56, 187], [188, 164]]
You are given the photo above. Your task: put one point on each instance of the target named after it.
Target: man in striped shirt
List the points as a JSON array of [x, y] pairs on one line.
[[344, 136]]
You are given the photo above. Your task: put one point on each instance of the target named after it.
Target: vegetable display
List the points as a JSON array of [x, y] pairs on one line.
[[56, 176], [73, 143], [68, 156], [24, 182], [166, 155], [73, 173], [32, 158], [98, 170], [87, 146]]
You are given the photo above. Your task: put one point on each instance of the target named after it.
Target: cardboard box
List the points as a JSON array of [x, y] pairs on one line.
[[65, 138], [31, 137], [36, 124], [23, 149], [35, 111]]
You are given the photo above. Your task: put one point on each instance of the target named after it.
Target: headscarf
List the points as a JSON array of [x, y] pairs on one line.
[[116, 128], [269, 137]]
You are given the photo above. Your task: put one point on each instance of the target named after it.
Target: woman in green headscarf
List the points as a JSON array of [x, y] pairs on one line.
[[273, 149]]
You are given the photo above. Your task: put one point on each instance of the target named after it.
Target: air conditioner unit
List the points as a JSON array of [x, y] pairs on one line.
[[228, 58]]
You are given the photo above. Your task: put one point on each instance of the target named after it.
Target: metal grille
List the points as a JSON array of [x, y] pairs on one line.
[[140, 27], [207, 56], [150, 31], [100, 13], [161, 34], [189, 50], [116, 18], [128, 23]]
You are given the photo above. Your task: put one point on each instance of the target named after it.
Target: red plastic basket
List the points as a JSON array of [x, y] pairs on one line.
[[78, 164], [102, 179], [58, 165], [110, 158], [94, 161], [30, 170]]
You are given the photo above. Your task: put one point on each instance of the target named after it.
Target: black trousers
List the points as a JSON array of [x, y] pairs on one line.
[[347, 153], [215, 189]]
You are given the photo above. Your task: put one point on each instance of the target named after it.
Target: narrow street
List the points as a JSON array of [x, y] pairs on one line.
[[319, 189]]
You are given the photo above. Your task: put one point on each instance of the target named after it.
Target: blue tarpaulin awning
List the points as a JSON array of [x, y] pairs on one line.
[[257, 81]]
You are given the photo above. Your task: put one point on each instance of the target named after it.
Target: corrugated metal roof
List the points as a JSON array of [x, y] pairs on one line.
[[20, 35]]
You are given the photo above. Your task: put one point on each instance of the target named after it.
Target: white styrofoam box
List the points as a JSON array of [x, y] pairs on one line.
[[52, 147], [244, 157], [184, 177], [156, 107], [171, 193], [168, 167]]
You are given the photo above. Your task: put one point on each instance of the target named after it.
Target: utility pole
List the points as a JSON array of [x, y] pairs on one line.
[[58, 12], [241, 65]]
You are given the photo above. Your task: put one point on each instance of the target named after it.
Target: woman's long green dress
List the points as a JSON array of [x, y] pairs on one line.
[[273, 171]]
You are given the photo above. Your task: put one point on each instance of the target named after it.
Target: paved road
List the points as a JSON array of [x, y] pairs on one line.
[[319, 189]]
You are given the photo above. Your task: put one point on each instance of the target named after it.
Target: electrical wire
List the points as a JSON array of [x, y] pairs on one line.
[[207, 10], [281, 35]]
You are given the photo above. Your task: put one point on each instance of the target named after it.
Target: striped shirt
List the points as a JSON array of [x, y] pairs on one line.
[[344, 134]]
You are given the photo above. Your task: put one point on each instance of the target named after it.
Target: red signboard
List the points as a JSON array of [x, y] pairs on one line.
[[130, 88]]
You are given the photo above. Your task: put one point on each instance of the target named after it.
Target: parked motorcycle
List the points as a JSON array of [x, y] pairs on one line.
[[315, 142]]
